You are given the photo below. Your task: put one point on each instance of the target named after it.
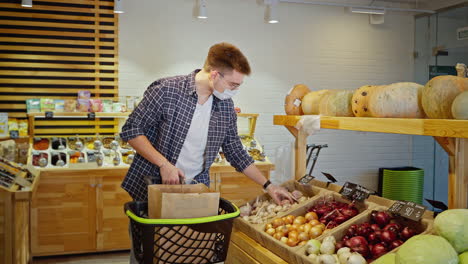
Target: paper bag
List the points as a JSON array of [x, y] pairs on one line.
[[181, 201], [182, 244]]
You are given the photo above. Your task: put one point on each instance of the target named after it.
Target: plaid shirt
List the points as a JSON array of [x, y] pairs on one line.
[[164, 117]]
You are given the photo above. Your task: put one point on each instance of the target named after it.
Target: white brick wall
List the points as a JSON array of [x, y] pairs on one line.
[[323, 47]]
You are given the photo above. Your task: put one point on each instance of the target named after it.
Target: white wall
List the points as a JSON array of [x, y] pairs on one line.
[[323, 47]]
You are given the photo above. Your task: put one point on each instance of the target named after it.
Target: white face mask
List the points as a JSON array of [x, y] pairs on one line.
[[227, 94]]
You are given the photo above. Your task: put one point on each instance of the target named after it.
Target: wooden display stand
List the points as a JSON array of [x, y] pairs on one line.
[[451, 134], [15, 231], [77, 211]]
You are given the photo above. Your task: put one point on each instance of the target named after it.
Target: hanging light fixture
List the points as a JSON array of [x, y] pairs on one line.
[[202, 10], [369, 10], [272, 15], [118, 6], [26, 3]]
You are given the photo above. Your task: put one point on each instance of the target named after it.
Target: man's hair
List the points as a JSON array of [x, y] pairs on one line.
[[226, 57]]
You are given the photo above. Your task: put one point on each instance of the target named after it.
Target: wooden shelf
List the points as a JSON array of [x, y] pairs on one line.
[[452, 135], [82, 114], [423, 127]]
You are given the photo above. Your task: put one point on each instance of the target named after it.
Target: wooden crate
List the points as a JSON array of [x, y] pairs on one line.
[[15, 230]]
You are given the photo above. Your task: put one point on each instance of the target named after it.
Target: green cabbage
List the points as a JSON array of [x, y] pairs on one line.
[[426, 249], [386, 259], [453, 226], [463, 258]]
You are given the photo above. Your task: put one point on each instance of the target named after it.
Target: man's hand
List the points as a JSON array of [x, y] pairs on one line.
[[171, 175], [279, 193]]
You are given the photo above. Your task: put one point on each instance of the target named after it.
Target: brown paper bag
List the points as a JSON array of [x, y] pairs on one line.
[[181, 201], [182, 243]]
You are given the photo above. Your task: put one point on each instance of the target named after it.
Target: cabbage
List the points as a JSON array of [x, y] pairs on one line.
[[453, 226], [386, 259], [426, 249], [463, 258]]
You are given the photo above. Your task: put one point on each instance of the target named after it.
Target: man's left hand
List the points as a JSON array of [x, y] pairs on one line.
[[279, 194]]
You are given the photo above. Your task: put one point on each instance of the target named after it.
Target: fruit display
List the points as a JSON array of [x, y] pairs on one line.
[[460, 106], [264, 209], [66, 152], [332, 212], [295, 230], [311, 102], [453, 226], [439, 93], [293, 100], [396, 100], [326, 252], [337, 103], [377, 233]]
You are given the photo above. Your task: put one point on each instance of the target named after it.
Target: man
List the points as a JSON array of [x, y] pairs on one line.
[[181, 123]]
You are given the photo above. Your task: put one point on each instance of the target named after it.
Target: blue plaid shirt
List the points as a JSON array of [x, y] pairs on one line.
[[164, 117]]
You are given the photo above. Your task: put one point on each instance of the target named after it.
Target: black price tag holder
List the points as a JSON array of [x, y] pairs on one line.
[[14, 134], [355, 192], [408, 210], [91, 115], [330, 178], [49, 115]]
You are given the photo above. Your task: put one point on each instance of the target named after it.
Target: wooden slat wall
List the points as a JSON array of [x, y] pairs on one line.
[[55, 49]]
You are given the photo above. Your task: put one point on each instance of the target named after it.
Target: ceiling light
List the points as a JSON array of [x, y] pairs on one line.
[[26, 3], [118, 6], [202, 10], [370, 10], [272, 15]]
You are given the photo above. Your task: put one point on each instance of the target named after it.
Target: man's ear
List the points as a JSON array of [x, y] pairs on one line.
[[213, 74]]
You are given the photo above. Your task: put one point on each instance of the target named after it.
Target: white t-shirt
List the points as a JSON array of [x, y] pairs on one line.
[[192, 155]]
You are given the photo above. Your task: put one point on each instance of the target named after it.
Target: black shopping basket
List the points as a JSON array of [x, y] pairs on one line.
[[191, 240]]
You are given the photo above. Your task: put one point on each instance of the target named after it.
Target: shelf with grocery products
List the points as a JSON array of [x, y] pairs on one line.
[[452, 135]]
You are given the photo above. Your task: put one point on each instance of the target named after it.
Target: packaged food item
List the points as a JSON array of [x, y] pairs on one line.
[[84, 94], [47, 105], [59, 105], [96, 105], [23, 127], [70, 105], [118, 107], [8, 149], [130, 103], [107, 106], [33, 105], [83, 105], [23, 152], [4, 125], [12, 124]]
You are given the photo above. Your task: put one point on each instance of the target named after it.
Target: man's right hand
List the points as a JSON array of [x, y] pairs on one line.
[[171, 175]]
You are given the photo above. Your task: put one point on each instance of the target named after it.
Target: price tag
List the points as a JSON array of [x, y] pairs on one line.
[[306, 179], [396, 207], [14, 134], [409, 210], [49, 115], [329, 177], [352, 191], [92, 115]]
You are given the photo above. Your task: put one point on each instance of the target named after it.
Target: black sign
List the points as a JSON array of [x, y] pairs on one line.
[[49, 115], [409, 210], [14, 134], [352, 191], [329, 177]]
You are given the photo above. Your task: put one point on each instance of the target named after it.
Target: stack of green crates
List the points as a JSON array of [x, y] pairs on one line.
[[403, 184]]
